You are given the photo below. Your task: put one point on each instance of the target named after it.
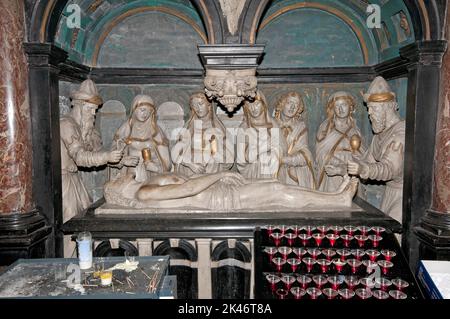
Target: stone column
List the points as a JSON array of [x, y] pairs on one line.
[[441, 187], [204, 268], [434, 228], [424, 69], [15, 134], [21, 227]]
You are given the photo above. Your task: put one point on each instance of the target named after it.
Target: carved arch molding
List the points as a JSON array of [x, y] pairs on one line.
[[428, 18]]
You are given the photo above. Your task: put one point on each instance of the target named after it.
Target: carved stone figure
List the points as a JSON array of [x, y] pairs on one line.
[[334, 141], [81, 146], [203, 147], [297, 160], [145, 146], [224, 191], [384, 159], [258, 142]]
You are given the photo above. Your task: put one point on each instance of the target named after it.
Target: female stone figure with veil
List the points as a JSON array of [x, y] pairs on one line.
[[258, 144], [203, 147], [146, 149], [334, 141]]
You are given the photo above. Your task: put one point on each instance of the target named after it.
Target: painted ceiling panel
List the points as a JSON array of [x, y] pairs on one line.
[[100, 16]]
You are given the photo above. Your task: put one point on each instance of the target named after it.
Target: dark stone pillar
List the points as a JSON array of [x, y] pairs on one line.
[[43, 62], [433, 230], [422, 106], [22, 229]]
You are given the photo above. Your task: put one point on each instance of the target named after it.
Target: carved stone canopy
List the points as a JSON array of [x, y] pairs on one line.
[[231, 72]]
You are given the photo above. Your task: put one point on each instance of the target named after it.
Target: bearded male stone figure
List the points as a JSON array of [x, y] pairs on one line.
[[81, 146], [383, 161]]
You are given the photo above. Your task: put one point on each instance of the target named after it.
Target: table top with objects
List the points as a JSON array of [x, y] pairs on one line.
[[109, 277]]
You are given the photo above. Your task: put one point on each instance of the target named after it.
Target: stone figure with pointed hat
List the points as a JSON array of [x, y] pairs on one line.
[[81, 146], [384, 159]]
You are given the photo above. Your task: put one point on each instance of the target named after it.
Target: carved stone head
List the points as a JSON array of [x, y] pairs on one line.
[[143, 108], [340, 105], [290, 105], [381, 104]]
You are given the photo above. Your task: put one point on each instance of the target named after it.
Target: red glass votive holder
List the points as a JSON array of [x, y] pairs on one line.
[[358, 253], [324, 265], [295, 228], [363, 293], [364, 230], [285, 251], [288, 280], [351, 282], [380, 294], [282, 293], [329, 253], [320, 281], [304, 238], [330, 293], [346, 293], [273, 281], [299, 251], [332, 238], [361, 240], [336, 229], [347, 239], [304, 281], [350, 229], [314, 293], [290, 238], [294, 263], [339, 264], [318, 238], [354, 264], [343, 253], [388, 254], [276, 237], [309, 229], [378, 230], [298, 292], [400, 284], [323, 229], [309, 262], [383, 283], [385, 266], [375, 240], [336, 281], [314, 252], [279, 263], [373, 254]]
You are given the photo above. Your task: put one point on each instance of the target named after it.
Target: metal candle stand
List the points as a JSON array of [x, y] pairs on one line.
[[331, 262]]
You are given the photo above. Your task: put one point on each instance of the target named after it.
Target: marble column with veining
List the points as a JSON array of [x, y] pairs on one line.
[[441, 187], [15, 134]]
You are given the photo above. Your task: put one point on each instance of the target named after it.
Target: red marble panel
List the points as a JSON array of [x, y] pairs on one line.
[[15, 134], [441, 190]]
